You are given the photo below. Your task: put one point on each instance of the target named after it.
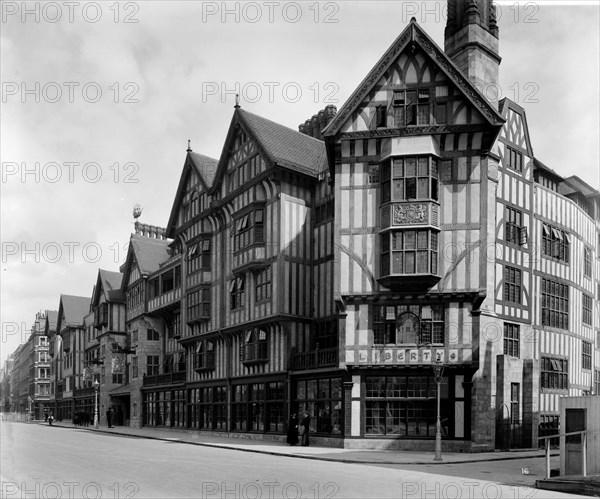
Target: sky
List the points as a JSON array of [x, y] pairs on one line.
[[99, 100]]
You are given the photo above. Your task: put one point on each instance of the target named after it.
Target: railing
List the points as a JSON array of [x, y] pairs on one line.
[[320, 357], [82, 392], [165, 379], [583, 433], [165, 299]]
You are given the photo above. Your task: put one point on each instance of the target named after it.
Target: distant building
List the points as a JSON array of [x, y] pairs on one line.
[[6, 395], [70, 327]]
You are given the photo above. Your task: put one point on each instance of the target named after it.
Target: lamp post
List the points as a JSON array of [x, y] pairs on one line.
[[438, 370], [96, 386]]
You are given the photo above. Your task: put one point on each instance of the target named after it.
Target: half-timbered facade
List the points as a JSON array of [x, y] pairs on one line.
[[152, 286], [107, 348], [70, 327], [327, 270]]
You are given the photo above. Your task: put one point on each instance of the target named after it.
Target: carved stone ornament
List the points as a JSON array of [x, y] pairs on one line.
[[410, 214]]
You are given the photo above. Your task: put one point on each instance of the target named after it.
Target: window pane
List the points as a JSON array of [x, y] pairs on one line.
[[422, 237], [422, 257], [423, 188], [397, 263], [409, 239], [397, 241], [410, 167], [411, 188], [398, 190], [410, 263], [398, 168]]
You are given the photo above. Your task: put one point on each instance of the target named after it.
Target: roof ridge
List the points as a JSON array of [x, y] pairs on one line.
[[281, 125]]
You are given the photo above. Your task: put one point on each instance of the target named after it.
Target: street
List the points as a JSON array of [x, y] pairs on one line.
[[43, 461]]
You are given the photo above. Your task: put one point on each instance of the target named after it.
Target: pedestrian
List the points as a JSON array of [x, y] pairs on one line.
[[109, 415], [304, 429], [50, 419], [292, 432], [46, 416]]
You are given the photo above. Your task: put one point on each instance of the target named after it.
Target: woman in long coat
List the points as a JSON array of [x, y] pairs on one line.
[[292, 432], [306, 424]]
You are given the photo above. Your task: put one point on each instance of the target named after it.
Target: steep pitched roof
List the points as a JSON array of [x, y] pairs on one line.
[[51, 320], [73, 309], [110, 283], [149, 252], [285, 146], [205, 167], [574, 184], [413, 34]]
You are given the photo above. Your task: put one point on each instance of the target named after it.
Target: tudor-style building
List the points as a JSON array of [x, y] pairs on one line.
[[69, 350], [327, 271], [153, 293], [244, 226], [106, 350]]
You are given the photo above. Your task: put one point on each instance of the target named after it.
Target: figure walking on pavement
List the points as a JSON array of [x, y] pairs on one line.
[[304, 429], [109, 415], [292, 432]]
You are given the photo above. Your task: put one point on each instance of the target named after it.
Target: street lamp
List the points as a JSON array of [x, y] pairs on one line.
[[438, 370], [96, 386]]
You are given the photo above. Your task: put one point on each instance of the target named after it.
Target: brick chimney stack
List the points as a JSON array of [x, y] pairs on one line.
[[318, 122]]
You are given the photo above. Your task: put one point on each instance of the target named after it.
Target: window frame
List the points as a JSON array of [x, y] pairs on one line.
[[556, 243], [264, 284], [554, 373], [237, 287], [513, 285], [512, 339], [586, 355], [555, 304]]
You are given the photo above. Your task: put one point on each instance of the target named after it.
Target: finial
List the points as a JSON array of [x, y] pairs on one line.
[[189, 149], [237, 101]]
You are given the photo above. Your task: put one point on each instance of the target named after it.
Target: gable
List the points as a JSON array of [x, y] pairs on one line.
[[414, 90], [413, 60], [191, 197], [515, 131], [243, 164], [133, 271]]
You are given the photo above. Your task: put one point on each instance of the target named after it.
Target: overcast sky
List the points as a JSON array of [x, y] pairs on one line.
[[99, 100]]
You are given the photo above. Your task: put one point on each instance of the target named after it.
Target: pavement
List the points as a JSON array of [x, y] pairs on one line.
[[362, 456]]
